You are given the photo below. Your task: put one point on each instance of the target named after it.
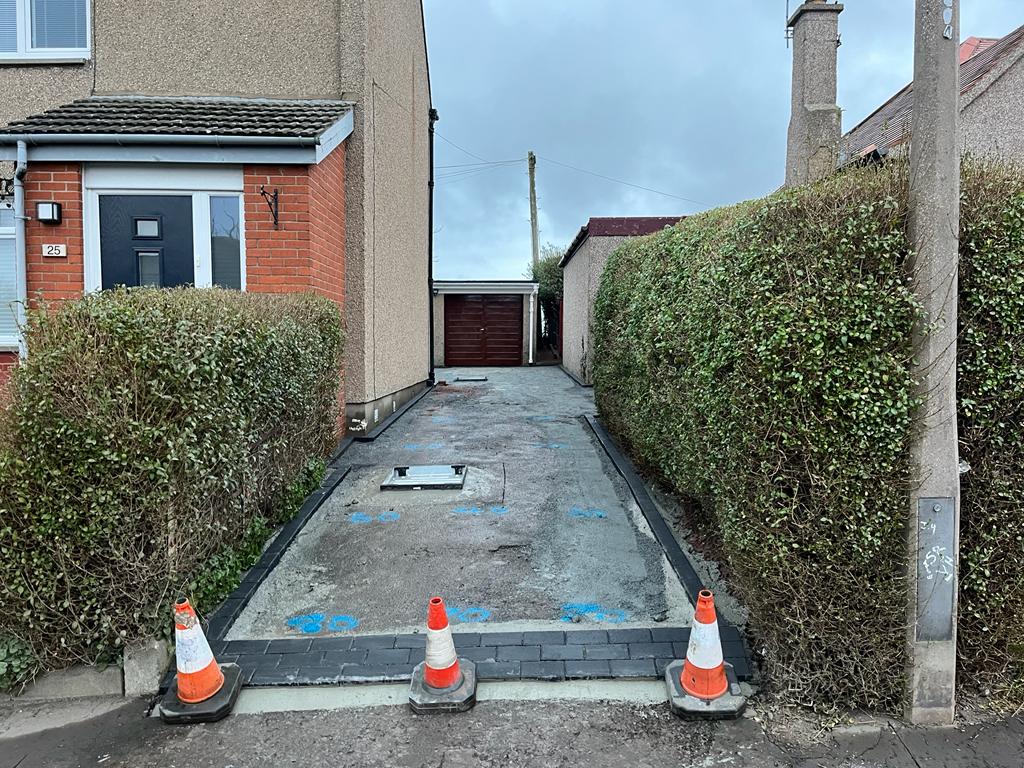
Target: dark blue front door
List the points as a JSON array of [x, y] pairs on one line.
[[146, 240]]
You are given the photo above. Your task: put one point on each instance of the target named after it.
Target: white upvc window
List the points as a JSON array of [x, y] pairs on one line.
[[43, 31], [9, 337]]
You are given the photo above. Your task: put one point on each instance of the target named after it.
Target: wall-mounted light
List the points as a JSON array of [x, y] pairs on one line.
[[48, 213]]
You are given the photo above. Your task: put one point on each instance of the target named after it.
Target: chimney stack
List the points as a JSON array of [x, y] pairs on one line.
[[815, 123]]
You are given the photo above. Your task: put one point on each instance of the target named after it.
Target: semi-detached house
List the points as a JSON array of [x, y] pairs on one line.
[[258, 145]]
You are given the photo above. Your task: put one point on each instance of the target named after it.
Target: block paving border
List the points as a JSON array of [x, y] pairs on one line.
[[535, 655]]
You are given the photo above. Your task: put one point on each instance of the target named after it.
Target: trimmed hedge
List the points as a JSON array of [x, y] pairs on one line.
[[757, 358], [151, 433]]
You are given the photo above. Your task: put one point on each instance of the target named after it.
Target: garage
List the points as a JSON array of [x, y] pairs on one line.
[[484, 323]]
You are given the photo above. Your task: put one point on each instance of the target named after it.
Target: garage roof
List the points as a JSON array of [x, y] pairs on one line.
[[617, 226]]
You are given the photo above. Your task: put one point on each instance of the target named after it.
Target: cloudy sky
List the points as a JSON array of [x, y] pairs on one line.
[[687, 97]]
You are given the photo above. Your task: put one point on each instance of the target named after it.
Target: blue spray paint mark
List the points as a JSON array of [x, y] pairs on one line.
[[589, 514], [442, 419], [383, 517], [552, 446], [309, 624], [471, 615], [435, 446], [425, 446], [542, 418], [313, 623], [342, 623], [411, 447], [592, 611], [499, 510]]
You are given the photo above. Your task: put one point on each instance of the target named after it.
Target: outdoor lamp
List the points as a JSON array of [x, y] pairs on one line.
[[48, 213]]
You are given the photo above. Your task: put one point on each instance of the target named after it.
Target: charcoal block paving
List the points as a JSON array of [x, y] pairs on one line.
[[575, 654]]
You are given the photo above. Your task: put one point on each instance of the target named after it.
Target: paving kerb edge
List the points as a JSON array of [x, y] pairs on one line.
[[680, 563], [572, 376], [220, 621]]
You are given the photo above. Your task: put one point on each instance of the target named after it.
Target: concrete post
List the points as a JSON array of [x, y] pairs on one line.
[[815, 120], [934, 540]]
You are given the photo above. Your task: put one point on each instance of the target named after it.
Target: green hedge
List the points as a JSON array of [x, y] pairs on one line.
[[151, 434], [757, 358]]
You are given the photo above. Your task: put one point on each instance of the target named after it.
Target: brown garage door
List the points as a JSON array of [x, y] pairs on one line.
[[483, 329]]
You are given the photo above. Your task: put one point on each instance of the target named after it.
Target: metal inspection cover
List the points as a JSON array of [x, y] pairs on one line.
[[426, 476], [470, 378]]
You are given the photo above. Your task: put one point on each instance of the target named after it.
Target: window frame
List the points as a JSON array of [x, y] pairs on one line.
[[27, 54], [198, 183], [9, 343]]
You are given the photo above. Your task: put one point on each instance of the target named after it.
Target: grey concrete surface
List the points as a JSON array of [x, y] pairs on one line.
[[544, 528], [505, 733], [144, 666], [79, 681]]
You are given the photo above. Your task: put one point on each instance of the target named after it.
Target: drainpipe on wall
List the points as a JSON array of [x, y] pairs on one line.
[[533, 331], [433, 117], [20, 260]]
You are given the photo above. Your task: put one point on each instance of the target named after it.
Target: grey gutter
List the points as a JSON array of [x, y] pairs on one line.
[[20, 257], [154, 138]]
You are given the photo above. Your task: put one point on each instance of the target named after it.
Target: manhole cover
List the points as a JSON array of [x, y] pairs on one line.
[[426, 476], [471, 378]]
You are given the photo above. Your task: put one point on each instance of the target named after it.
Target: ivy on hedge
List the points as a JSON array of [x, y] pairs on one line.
[[149, 433], [758, 359]]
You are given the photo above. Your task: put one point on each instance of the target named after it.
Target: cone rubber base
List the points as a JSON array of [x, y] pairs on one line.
[[458, 698], [726, 707], [215, 708]]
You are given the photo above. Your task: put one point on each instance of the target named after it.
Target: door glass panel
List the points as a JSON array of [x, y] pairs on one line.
[[8, 26], [6, 217], [226, 241], [147, 228], [59, 24], [149, 267]]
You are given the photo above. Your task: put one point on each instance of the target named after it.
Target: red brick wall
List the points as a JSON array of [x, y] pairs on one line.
[[327, 225], [7, 362], [307, 249], [49, 278]]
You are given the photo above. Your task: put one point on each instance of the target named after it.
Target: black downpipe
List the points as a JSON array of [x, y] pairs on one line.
[[430, 246]]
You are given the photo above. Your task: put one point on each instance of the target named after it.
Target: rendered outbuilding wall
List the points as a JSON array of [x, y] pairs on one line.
[[581, 277]]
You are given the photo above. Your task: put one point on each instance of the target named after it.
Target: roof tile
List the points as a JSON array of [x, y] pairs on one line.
[[185, 116]]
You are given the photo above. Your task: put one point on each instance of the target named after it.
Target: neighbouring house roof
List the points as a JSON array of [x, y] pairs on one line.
[[889, 125], [197, 121], [617, 226]]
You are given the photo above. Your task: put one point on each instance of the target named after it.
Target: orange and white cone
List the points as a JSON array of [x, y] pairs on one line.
[[441, 682], [442, 665], [700, 685], [203, 690], [199, 675], [703, 673]]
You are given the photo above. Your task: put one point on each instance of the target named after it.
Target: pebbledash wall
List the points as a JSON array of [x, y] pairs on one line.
[[306, 252]]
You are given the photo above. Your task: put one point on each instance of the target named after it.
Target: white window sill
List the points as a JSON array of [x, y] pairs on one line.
[[18, 61]]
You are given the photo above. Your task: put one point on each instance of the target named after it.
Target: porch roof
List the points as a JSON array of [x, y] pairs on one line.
[[183, 129]]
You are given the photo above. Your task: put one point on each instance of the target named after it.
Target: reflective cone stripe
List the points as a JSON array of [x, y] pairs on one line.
[[199, 675], [441, 668], [703, 674]]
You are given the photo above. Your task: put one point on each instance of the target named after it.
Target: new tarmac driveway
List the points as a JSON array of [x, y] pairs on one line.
[[544, 535]]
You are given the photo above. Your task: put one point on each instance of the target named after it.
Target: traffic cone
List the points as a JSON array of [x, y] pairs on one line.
[[203, 691], [703, 684], [442, 682]]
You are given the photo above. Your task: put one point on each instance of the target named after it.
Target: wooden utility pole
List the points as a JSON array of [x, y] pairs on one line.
[[934, 540], [532, 158]]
